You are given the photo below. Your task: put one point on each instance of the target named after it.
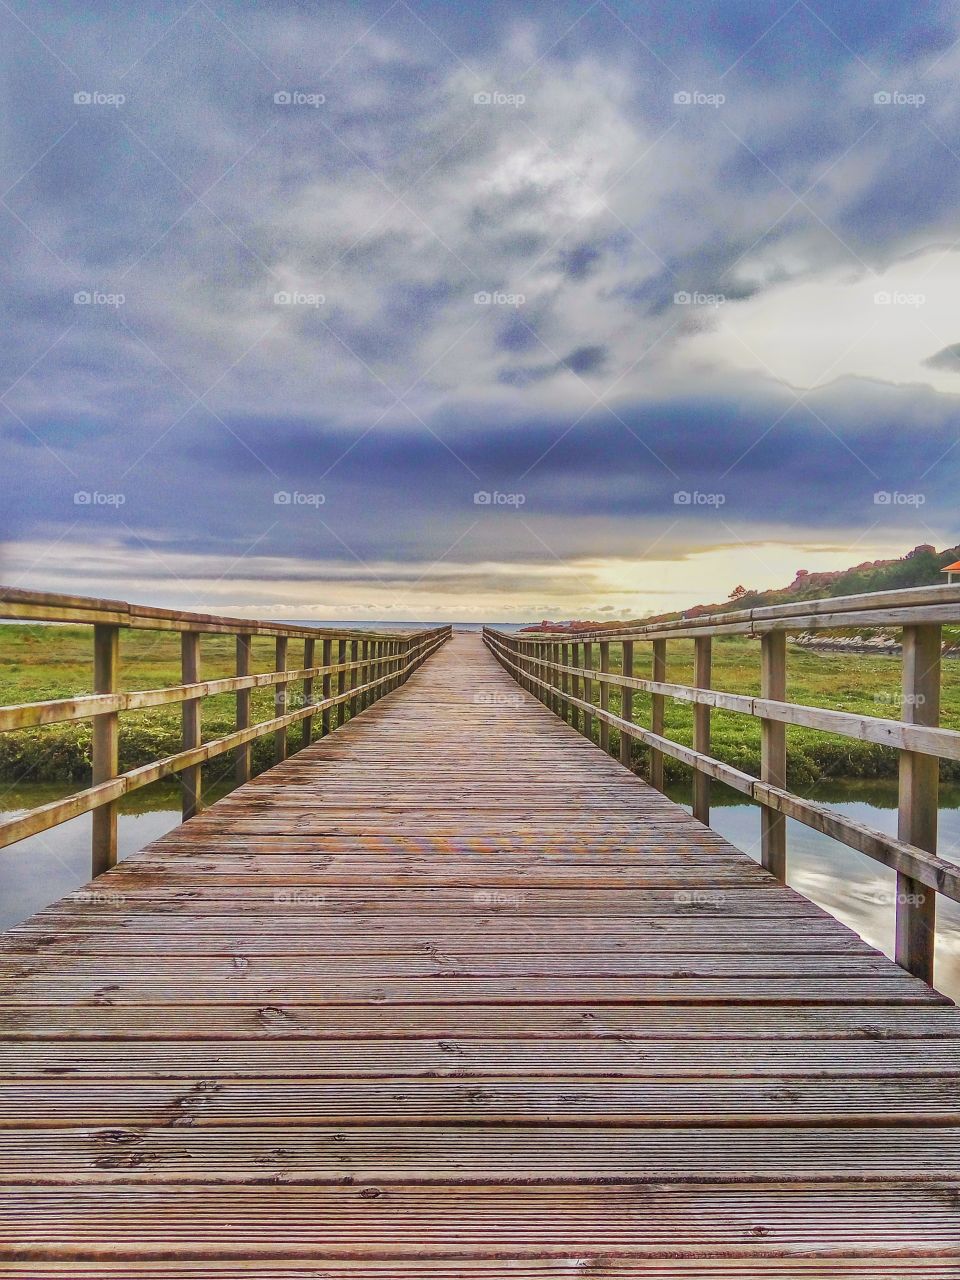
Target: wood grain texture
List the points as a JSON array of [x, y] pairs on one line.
[[449, 993]]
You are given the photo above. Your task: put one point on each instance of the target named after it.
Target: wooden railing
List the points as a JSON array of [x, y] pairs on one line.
[[559, 668], [355, 669]]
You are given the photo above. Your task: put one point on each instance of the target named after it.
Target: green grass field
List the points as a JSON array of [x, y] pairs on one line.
[[41, 662]]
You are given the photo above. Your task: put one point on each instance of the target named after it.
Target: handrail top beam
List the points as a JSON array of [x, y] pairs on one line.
[[17, 604], [942, 600]]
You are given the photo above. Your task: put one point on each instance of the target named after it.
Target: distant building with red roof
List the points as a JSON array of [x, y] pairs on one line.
[[952, 571]]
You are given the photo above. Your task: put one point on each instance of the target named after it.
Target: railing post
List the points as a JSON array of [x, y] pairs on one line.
[[564, 682], [341, 682], [626, 703], [309, 660], [556, 679], [354, 676], [919, 786], [190, 674], [326, 648], [576, 684], [244, 757], [365, 673], [773, 752], [106, 741], [280, 700], [604, 694], [702, 659], [657, 706], [587, 687]]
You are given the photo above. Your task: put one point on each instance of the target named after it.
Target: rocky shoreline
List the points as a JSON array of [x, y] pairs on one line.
[[882, 644]]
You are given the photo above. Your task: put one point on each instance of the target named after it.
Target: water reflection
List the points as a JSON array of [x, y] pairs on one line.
[[851, 886], [45, 867]]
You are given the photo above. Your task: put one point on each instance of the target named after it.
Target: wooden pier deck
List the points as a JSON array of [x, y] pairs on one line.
[[451, 994]]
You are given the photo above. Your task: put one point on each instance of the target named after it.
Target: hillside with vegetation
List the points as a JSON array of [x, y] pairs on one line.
[[921, 567]]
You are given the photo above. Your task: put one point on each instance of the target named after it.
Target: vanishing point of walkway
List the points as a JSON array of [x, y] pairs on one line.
[[451, 994]]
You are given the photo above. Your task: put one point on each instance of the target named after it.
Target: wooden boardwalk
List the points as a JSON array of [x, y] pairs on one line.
[[451, 994]]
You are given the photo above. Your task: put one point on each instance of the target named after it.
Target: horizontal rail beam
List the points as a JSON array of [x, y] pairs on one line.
[[886, 732], [29, 715], [906, 607], [42, 606], [928, 869]]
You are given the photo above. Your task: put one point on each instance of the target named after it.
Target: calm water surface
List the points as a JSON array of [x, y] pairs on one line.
[[852, 887]]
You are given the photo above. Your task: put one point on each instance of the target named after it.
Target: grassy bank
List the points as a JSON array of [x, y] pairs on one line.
[[38, 663]]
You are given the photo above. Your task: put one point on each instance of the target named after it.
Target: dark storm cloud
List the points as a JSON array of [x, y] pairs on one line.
[[948, 358]]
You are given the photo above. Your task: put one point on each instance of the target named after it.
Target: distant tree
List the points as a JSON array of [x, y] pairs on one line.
[[738, 593]]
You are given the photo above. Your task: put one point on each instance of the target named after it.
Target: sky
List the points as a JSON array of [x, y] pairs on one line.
[[444, 311]]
